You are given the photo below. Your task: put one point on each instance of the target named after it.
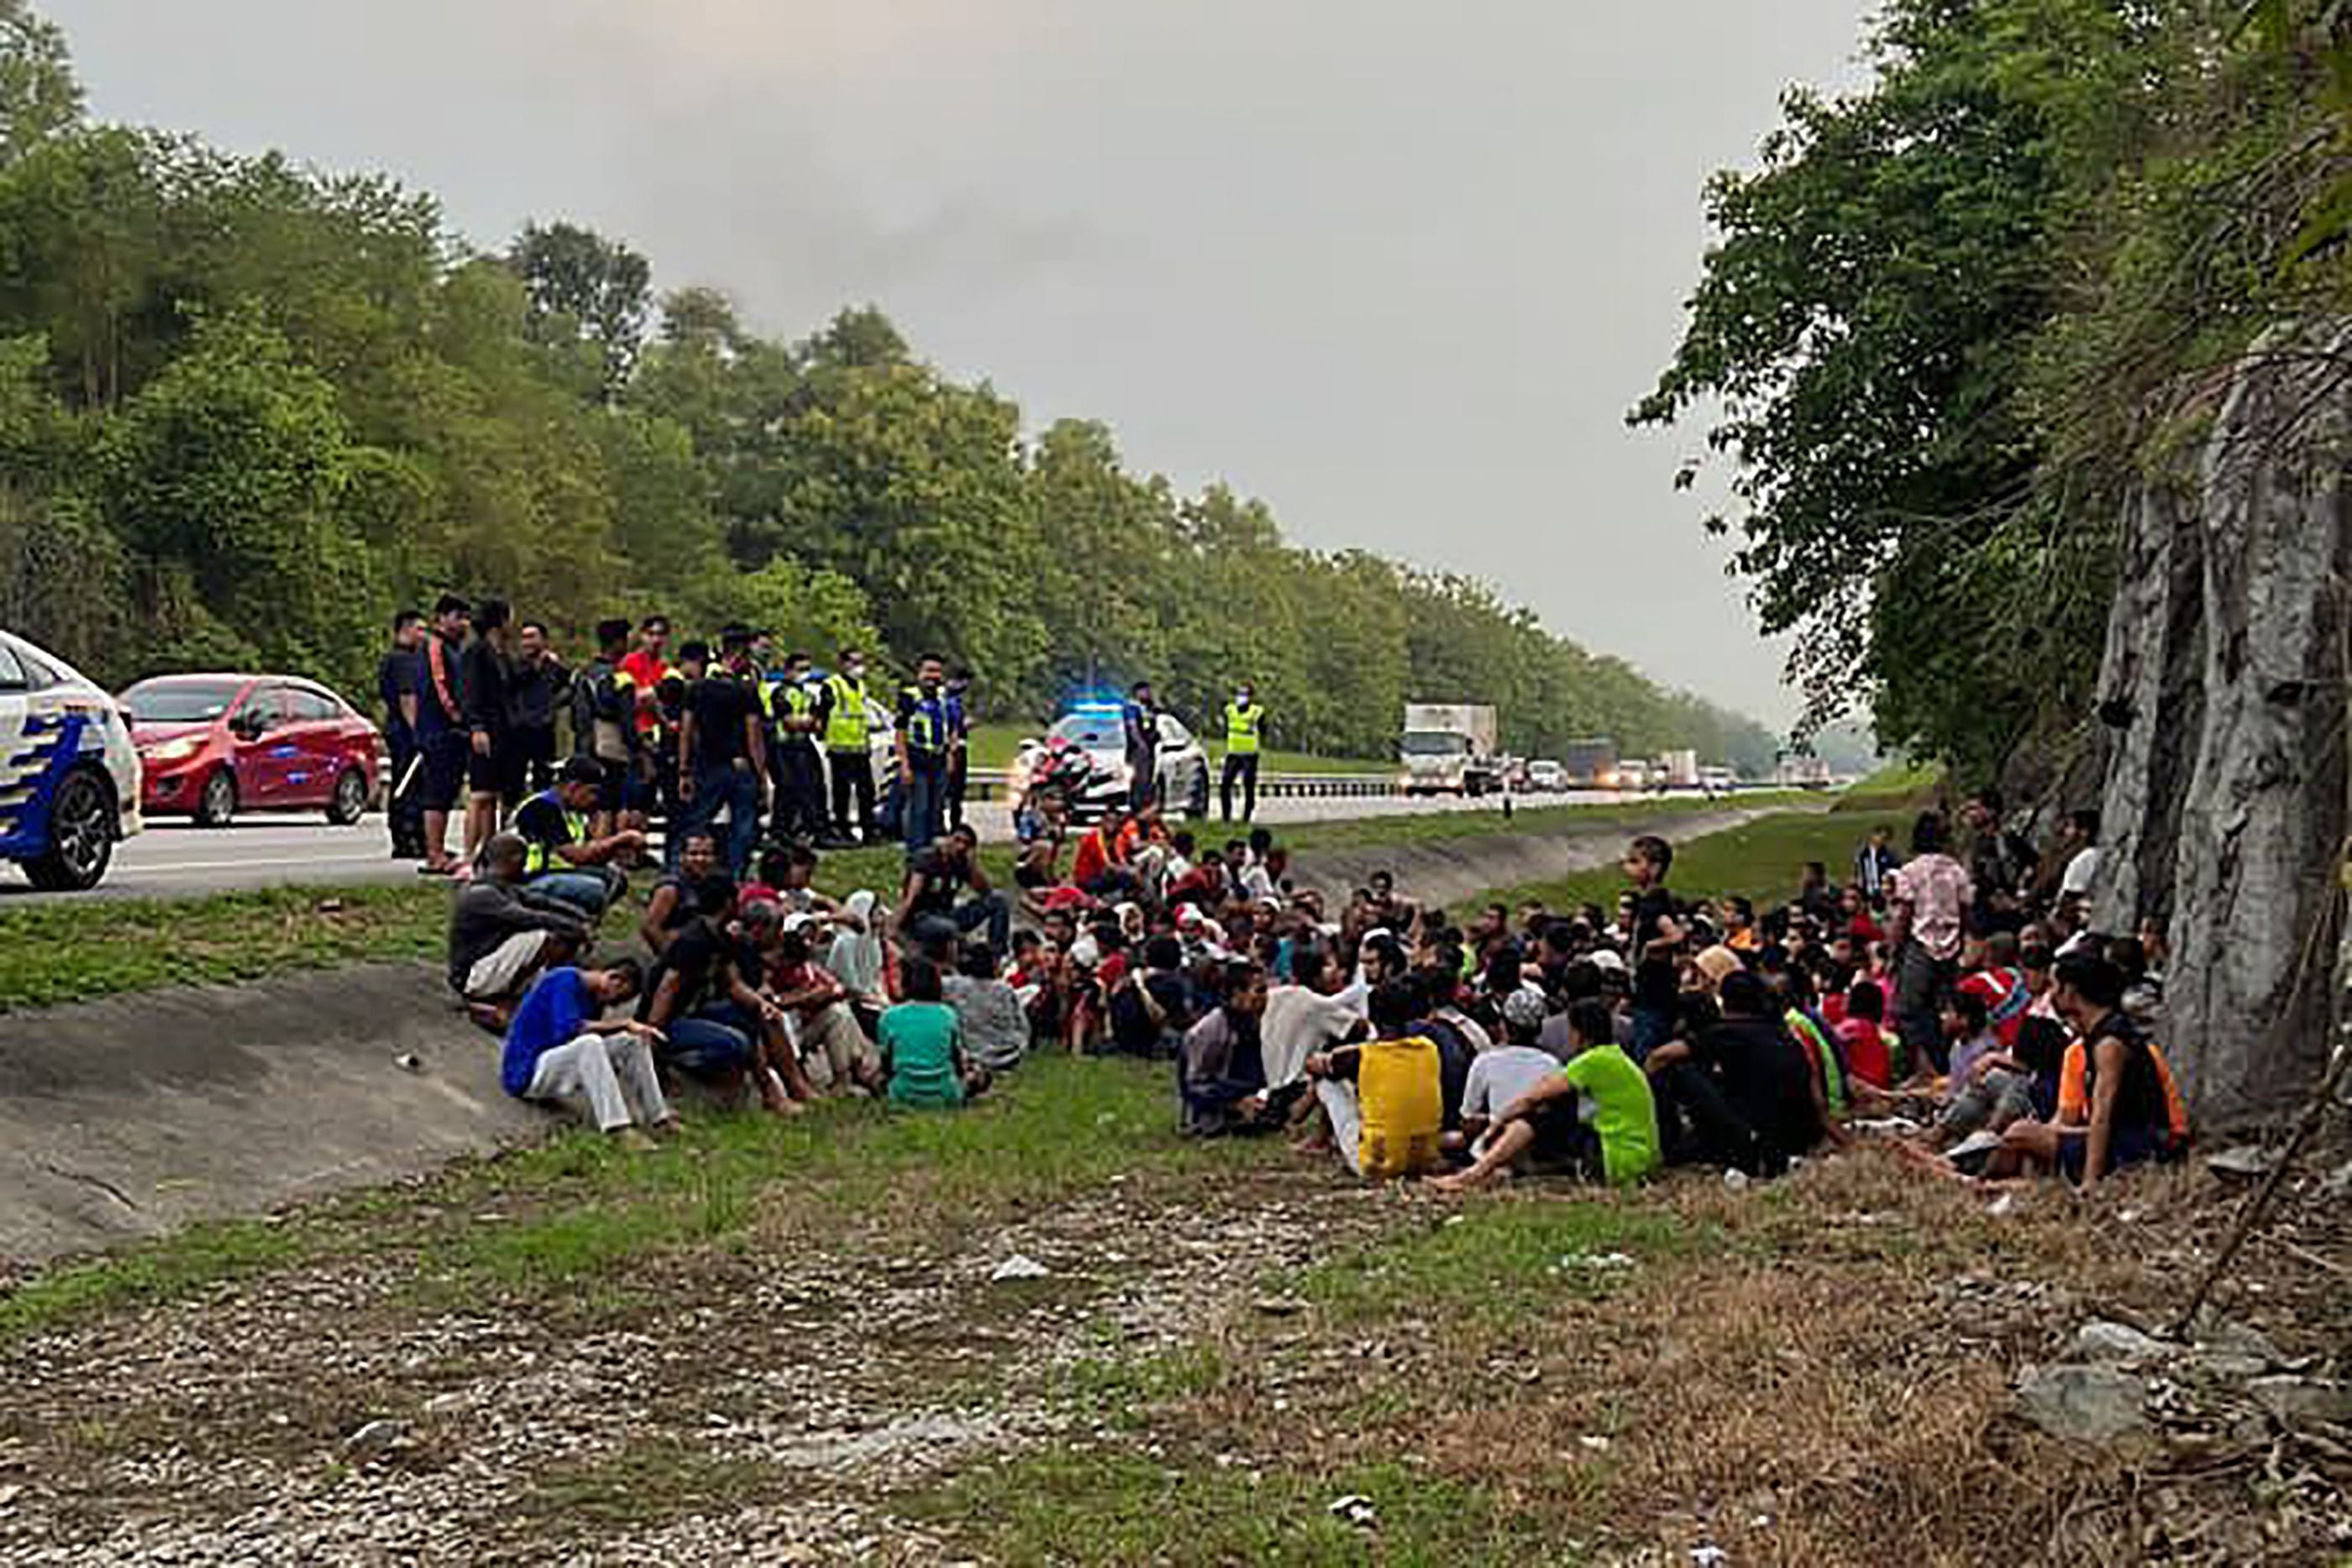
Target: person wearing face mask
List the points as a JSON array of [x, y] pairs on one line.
[[924, 743], [844, 750], [1244, 738]]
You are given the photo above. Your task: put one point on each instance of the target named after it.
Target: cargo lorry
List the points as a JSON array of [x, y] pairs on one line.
[[1450, 749]]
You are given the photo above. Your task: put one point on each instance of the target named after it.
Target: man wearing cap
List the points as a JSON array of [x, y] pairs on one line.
[[1502, 1074], [560, 860]]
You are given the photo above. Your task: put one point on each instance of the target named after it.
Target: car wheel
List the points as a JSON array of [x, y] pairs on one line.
[[1197, 808], [218, 803], [351, 798], [81, 835]]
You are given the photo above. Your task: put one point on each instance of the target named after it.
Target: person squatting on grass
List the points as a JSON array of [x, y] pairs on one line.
[[560, 1047]]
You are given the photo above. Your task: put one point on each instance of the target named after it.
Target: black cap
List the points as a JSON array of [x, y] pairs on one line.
[[581, 771]]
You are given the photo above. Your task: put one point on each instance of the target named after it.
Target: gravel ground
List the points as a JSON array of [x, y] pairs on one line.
[[741, 1408]]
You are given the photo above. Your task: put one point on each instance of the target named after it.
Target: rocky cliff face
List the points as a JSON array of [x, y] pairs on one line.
[[2224, 680]]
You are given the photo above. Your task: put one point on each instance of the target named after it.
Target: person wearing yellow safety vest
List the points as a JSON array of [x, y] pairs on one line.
[[846, 755], [797, 709], [924, 739], [1244, 740], [560, 860]]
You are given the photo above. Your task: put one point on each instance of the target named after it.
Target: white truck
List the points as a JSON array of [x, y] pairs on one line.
[[1450, 749], [1681, 769]]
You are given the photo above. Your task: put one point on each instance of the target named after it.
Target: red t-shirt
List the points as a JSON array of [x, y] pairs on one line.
[[1093, 859], [1866, 1053], [648, 672]]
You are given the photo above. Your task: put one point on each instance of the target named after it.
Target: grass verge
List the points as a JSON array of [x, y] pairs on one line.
[[1893, 788], [1763, 859], [63, 952]]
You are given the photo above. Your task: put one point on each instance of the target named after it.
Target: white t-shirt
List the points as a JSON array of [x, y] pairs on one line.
[[1298, 1023], [2080, 872], [1500, 1076]]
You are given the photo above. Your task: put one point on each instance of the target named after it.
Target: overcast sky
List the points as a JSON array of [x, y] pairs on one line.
[[1397, 265]]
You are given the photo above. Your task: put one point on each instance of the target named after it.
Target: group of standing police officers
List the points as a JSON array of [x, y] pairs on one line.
[[664, 736]]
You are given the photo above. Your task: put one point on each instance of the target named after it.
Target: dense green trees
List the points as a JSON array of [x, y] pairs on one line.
[[1950, 321], [246, 409]]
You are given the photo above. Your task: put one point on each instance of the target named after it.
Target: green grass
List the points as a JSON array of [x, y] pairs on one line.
[[1497, 1262], [62, 952], [1438, 827], [1893, 788], [149, 1274], [1087, 1507], [1123, 1392], [1763, 860]]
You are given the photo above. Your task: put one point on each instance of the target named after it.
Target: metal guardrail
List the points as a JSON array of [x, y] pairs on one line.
[[1375, 786]]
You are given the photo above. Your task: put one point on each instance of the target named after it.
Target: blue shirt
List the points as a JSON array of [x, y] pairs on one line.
[[553, 1014]]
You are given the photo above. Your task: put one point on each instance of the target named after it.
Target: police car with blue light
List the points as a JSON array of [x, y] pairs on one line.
[[68, 772], [1084, 756]]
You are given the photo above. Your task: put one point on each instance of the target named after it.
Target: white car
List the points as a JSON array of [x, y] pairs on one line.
[[69, 772], [1099, 730], [1547, 776]]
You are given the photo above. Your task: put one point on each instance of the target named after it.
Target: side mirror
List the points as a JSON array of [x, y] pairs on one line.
[[250, 725]]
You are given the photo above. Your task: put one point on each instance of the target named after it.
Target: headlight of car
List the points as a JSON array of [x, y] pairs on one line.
[[178, 750]]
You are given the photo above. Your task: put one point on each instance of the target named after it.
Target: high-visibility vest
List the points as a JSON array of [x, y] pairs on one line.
[[782, 700], [1241, 725], [926, 723], [845, 727], [538, 857]]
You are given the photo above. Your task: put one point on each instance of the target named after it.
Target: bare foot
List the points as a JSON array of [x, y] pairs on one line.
[[668, 1127]]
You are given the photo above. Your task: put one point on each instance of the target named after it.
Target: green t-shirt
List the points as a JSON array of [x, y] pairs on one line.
[[1623, 1115], [919, 1040]]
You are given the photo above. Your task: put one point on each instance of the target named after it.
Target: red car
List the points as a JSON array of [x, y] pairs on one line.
[[214, 746]]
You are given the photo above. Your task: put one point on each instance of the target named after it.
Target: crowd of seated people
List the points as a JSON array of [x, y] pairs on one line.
[[1952, 997]]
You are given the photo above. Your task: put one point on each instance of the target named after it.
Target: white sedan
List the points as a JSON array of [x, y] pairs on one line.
[[1099, 730]]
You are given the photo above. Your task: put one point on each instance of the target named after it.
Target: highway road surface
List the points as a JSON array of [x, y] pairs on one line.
[[175, 859]]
